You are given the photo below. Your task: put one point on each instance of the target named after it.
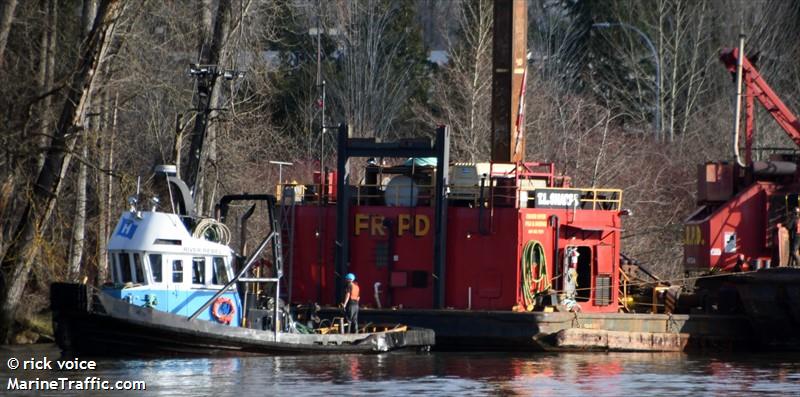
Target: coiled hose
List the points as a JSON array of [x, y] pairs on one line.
[[533, 261], [212, 230]]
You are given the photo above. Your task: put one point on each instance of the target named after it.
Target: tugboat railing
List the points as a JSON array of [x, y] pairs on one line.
[[259, 279], [238, 277]]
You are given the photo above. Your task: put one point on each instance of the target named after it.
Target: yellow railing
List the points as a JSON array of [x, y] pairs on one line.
[[299, 190], [604, 198], [590, 198]]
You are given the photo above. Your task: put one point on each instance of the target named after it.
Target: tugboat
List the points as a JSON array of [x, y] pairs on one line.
[[173, 291]]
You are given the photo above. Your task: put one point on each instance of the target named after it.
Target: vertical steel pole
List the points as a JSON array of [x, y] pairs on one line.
[[277, 308], [440, 214], [342, 206], [322, 149], [737, 122]]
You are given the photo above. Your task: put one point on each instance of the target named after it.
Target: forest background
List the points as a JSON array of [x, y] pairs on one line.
[[91, 92]]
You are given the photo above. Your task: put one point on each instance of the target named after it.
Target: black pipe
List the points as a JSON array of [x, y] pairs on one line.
[[481, 229], [442, 147], [554, 222], [225, 201], [390, 246]]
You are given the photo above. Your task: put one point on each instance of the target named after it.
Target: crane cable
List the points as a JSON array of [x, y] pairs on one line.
[[533, 256]]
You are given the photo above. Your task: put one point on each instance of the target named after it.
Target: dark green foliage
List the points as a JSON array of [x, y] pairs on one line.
[[294, 77], [612, 62], [413, 57]]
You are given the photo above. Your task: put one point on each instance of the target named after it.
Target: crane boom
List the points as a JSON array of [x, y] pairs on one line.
[[756, 88]]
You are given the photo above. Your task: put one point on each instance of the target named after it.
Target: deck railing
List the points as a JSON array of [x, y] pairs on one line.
[[601, 199], [506, 196]]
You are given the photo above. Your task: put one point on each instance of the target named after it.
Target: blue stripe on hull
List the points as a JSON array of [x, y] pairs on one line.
[[181, 302]]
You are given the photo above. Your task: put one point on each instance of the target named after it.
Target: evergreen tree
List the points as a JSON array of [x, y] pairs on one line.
[[412, 57], [297, 103]]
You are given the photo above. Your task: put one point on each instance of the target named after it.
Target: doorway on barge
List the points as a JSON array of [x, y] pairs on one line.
[[584, 270]]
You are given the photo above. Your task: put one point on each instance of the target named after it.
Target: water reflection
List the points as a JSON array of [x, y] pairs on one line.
[[596, 374]]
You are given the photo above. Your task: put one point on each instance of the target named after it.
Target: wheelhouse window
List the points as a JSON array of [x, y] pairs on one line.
[[221, 276], [155, 267], [177, 271], [138, 269], [112, 265], [125, 268], [199, 270]]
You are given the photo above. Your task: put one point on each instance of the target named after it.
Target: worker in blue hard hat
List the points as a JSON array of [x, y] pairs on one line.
[[350, 305]]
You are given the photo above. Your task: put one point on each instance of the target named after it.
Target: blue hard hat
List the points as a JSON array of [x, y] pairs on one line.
[[350, 276]]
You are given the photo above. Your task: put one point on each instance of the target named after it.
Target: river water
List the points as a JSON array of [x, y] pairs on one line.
[[438, 373]]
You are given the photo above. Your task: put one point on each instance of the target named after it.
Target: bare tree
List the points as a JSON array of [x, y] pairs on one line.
[[46, 75], [683, 36], [6, 18], [467, 108], [104, 181], [79, 221], [771, 31], [370, 88], [41, 199]]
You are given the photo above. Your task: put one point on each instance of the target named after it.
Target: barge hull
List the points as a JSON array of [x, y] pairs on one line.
[[771, 300], [514, 331]]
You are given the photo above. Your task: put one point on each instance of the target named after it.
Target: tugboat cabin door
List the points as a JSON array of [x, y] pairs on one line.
[[175, 281]]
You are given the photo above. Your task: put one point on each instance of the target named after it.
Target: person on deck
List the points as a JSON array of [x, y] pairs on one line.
[[350, 305], [794, 238]]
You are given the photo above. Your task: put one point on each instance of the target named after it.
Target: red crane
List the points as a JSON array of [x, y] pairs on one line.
[[742, 206], [756, 88]]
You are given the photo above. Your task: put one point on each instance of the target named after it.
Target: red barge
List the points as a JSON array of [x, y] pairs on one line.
[[483, 256], [502, 255]]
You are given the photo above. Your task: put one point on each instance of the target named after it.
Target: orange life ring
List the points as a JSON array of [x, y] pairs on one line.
[[224, 318]]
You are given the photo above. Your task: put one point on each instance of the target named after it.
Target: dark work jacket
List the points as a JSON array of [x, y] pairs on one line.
[[792, 226]]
